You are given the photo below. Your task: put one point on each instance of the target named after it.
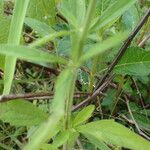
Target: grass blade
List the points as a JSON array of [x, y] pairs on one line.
[[30, 54], [14, 39]]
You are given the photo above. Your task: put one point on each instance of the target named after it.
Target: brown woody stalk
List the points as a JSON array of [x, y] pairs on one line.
[[36, 96], [104, 82], [123, 48]]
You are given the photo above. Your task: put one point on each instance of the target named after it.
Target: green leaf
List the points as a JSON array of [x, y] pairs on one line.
[[40, 27], [64, 46], [49, 37], [142, 121], [30, 54], [114, 133], [80, 10], [145, 112], [50, 135], [98, 143], [14, 38], [45, 11], [74, 11], [66, 10], [141, 116], [62, 88], [101, 47], [135, 61], [21, 113], [64, 83], [48, 147], [83, 115], [130, 18], [73, 136], [79, 39], [60, 139], [103, 5], [43, 133], [112, 12]]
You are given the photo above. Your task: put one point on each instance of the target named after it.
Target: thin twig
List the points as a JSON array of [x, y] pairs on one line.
[[135, 123], [140, 96], [80, 144], [127, 119], [138, 92], [104, 81], [123, 48], [143, 42], [99, 108], [94, 95], [33, 96]]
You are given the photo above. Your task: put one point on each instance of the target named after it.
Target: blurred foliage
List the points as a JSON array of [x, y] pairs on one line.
[[20, 119]]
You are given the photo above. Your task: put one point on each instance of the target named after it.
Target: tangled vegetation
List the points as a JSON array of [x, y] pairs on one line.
[[74, 74]]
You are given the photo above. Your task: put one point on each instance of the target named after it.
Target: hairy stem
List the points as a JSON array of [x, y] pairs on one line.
[[82, 34], [69, 103], [76, 54]]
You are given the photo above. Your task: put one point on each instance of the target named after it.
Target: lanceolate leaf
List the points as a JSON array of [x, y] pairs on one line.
[[103, 46], [114, 133], [67, 11], [130, 18], [103, 5], [21, 113], [80, 10], [30, 54], [49, 37], [43, 10], [98, 143], [83, 115], [61, 138], [135, 61], [40, 27], [112, 12], [74, 11]]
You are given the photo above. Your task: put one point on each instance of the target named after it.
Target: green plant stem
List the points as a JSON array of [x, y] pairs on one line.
[[14, 39], [83, 31], [68, 110], [77, 52], [69, 103]]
